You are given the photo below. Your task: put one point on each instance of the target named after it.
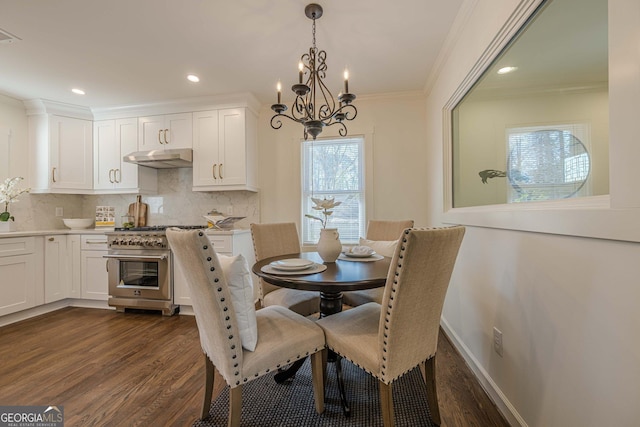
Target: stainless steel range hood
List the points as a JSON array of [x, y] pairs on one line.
[[162, 159]]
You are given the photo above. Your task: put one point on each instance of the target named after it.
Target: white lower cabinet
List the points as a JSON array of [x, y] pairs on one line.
[[93, 267], [228, 243], [19, 287], [57, 279]]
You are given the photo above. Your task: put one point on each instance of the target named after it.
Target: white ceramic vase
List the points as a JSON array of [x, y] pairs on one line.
[[6, 226], [329, 246]]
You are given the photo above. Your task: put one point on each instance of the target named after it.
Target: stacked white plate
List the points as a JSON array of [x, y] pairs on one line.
[[292, 264], [360, 252]]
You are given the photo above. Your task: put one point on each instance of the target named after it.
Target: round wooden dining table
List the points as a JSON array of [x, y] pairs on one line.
[[340, 276]]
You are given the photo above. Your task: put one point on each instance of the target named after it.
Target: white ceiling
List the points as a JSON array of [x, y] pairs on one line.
[[128, 52]]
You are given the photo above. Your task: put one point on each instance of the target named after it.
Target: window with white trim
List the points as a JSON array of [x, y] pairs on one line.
[[548, 162], [334, 169]]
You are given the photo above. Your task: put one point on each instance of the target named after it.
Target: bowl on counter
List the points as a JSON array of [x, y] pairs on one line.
[[78, 223]]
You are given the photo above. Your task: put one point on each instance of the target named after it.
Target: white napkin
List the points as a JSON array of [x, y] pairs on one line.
[[361, 250]]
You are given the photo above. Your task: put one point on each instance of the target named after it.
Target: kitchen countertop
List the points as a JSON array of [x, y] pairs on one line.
[[99, 231]]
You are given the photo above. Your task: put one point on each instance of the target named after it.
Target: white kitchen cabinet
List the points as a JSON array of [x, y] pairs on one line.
[[57, 280], [75, 266], [19, 286], [224, 150], [113, 139], [224, 243], [93, 267], [165, 132], [61, 154]]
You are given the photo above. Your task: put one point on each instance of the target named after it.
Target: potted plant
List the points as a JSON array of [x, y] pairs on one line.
[[9, 194], [329, 246]]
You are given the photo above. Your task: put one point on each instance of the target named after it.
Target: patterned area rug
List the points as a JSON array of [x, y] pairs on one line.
[[267, 404]]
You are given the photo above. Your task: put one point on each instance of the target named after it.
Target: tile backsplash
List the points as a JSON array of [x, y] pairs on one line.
[[175, 204]]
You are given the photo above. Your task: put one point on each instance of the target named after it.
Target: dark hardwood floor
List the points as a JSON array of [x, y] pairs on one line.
[[142, 369]]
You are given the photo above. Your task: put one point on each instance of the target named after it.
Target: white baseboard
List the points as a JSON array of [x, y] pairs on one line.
[[33, 312], [495, 394], [53, 306], [187, 309]]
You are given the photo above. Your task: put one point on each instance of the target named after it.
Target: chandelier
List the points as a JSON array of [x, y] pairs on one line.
[[314, 106]]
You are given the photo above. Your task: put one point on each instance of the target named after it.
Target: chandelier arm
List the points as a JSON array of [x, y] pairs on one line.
[[276, 123], [350, 111], [328, 108], [343, 128], [299, 110]]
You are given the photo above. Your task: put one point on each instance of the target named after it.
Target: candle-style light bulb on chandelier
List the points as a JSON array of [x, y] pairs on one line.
[[314, 106]]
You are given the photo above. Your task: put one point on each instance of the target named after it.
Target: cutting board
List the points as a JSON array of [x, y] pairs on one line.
[[138, 211]]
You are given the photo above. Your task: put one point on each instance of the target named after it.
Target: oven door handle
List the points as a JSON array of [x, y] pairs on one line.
[[160, 257]]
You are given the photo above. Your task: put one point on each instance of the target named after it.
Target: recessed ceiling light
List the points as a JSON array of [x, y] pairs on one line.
[[77, 91], [193, 78], [505, 70]]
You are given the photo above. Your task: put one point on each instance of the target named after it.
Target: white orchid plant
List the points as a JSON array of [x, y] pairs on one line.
[[9, 194], [325, 205]]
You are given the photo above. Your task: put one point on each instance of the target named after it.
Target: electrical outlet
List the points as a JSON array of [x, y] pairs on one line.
[[497, 341], [229, 210], [59, 212]]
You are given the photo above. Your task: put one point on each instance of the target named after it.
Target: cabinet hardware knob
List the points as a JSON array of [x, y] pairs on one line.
[[166, 141], [53, 174], [117, 173], [220, 171], [159, 137], [213, 171], [111, 176], [51, 239]]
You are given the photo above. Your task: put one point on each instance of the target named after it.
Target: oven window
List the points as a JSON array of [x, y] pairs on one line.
[[139, 273]]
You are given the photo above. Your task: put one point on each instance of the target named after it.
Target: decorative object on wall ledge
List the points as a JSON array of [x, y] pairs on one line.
[[9, 194], [491, 173], [314, 106]]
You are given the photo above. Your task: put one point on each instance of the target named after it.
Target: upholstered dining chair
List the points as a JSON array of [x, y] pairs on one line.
[[280, 336], [272, 239], [378, 231], [391, 339], [386, 230]]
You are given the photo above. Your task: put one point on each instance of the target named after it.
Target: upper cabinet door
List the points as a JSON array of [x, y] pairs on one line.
[[106, 154], [232, 148], [127, 138], [71, 153], [205, 148], [165, 132]]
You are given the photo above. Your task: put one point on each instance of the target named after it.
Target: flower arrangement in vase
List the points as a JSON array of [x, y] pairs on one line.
[[329, 246], [9, 194]]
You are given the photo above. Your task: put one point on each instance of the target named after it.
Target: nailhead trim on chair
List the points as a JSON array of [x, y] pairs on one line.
[[389, 309], [224, 308]]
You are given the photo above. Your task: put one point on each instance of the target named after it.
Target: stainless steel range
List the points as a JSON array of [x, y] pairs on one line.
[[140, 267]]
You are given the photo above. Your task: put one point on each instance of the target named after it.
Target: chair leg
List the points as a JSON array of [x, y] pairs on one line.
[[428, 369], [210, 372], [386, 404], [235, 406], [325, 356], [318, 380]]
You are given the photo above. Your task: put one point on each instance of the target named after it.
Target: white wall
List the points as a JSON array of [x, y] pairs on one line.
[[394, 127], [566, 305]]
